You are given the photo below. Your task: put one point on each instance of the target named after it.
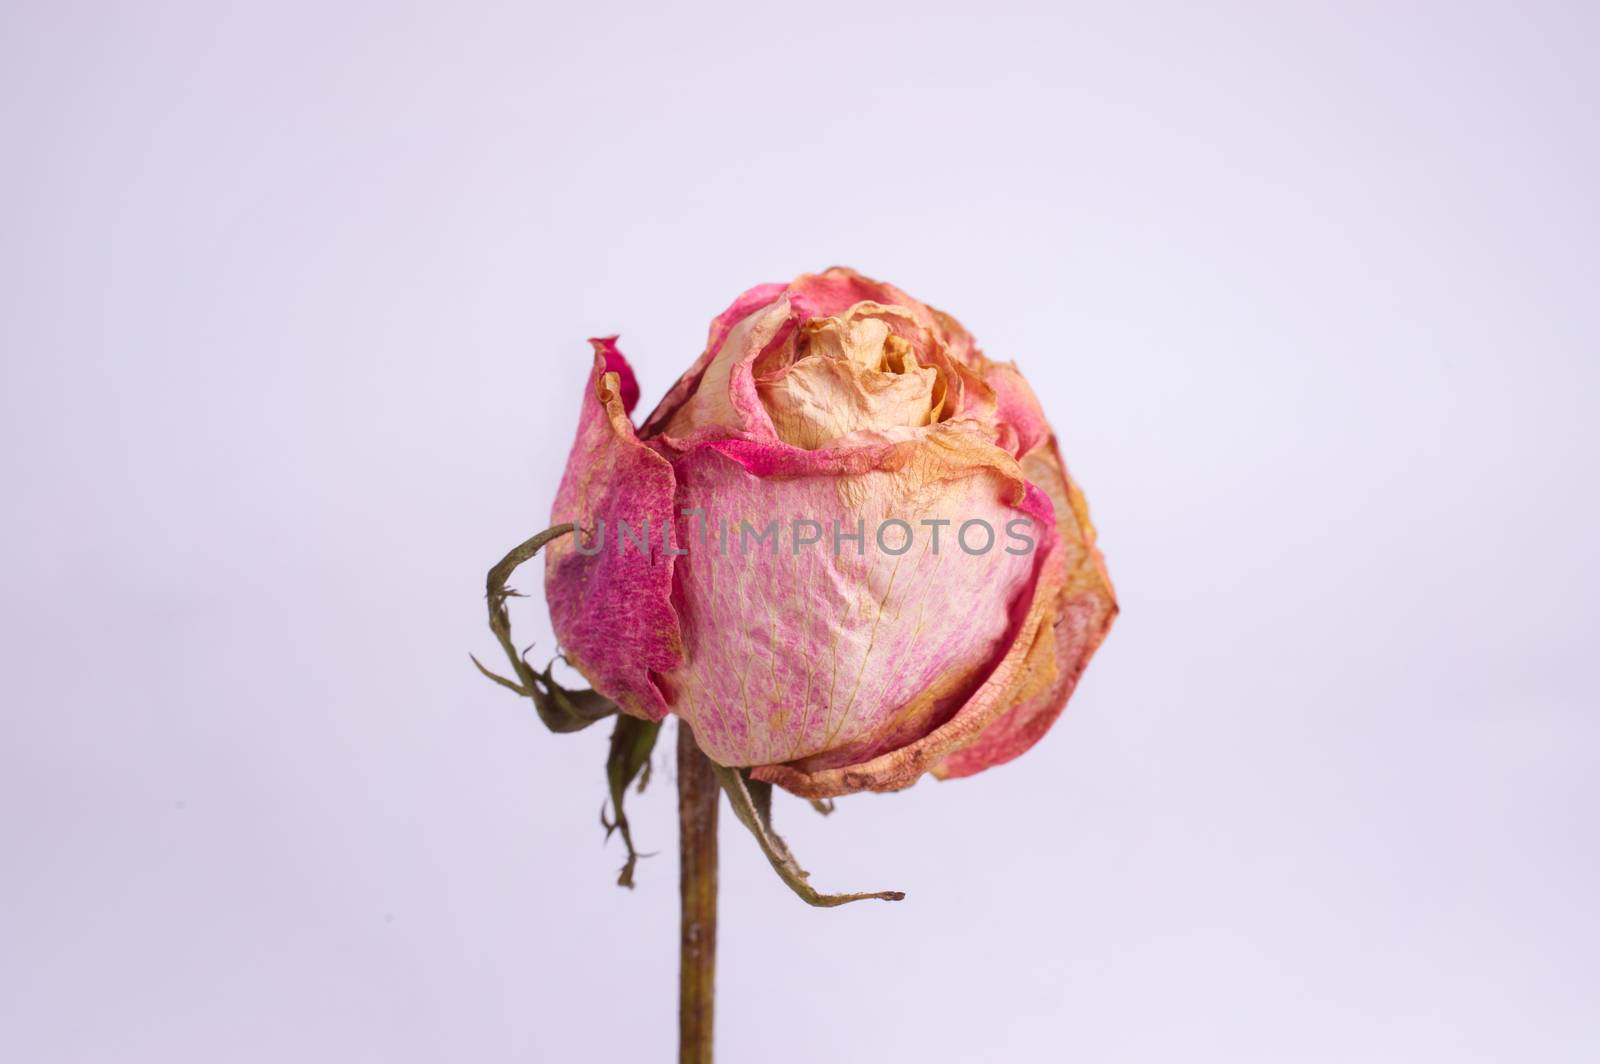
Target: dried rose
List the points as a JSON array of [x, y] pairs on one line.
[[843, 548]]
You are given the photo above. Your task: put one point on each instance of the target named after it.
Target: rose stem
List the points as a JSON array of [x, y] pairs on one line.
[[698, 795]]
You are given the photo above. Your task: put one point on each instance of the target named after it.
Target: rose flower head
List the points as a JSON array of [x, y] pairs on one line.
[[843, 549]]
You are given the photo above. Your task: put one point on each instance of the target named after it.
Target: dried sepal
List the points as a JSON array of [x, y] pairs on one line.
[[560, 709], [752, 804], [632, 740]]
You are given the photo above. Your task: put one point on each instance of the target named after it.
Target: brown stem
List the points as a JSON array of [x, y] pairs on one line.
[[698, 793]]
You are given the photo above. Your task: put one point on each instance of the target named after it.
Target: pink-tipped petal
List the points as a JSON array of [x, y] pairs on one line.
[[1024, 666], [838, 288], [819, 659], [747, 304], [1084, 610], [627, 383], [726, 403], [1017, 407], [612, 611]]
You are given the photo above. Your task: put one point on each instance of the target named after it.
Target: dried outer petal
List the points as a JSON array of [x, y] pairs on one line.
[[1026, 665], [725, 402], [1085, 608], [627, 383], [821, 655], [747, 303], [611, 609]]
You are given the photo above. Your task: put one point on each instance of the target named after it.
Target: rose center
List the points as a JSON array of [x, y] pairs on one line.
[[850, 374]]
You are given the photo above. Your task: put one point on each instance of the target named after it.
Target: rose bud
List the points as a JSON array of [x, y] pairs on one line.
[[844, 548]]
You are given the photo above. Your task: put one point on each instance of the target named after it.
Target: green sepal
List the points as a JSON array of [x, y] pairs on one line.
[[632, 740], [752, 804], [561, 710]]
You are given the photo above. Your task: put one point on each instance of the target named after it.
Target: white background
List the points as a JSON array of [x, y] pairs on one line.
[[294, 301]]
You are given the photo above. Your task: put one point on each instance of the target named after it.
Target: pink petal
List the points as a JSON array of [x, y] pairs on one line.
[[725, 402], [612, 613], [1016, 666], [1016, 406], [628, 384], [747, 303], [1083, 614], [820, 659]]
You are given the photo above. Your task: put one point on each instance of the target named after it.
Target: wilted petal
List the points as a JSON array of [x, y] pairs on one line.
[[1017, 408], [837, 289], [747, 304], [817, 658], [1023, 667], [725, 402], [1085, 607], [611, 611], [856, 373], [627, 383]]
